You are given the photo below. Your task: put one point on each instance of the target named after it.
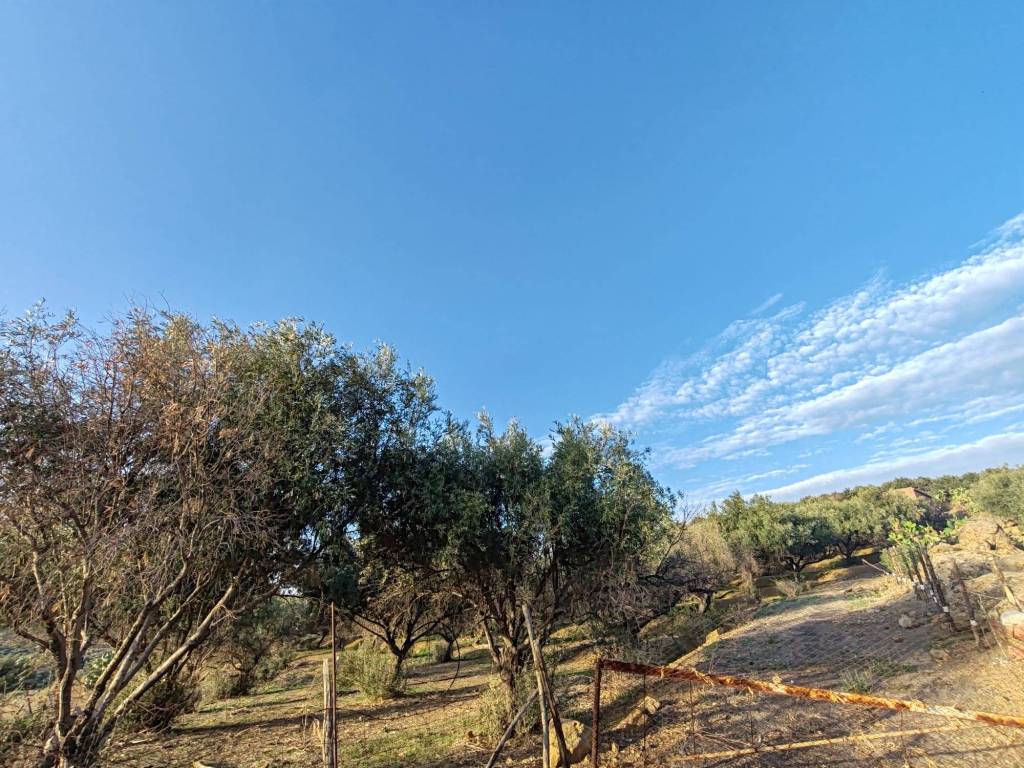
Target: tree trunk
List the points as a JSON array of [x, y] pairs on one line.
[[78, 747], [706, 598], [449, 649], [449, 643], [848, 549], [400, 657], [507, 673]]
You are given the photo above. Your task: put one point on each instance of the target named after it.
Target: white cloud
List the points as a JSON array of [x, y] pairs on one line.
[[718, 488], [773, 360], [983, 363], [767, 304], [986, 452], [885, 360]]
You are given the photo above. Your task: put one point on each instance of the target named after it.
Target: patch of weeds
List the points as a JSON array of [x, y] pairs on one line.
[[21, 728], [371, 670], [434, 651], [790, 588], [856, 681], [407, 747], [22, 671], [883, 668]]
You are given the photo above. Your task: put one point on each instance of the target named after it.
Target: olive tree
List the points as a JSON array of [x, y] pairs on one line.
[[545, 531], [153, 481], [1000, 492]]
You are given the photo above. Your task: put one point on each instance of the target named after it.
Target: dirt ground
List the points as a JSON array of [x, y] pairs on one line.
[[844, 634]]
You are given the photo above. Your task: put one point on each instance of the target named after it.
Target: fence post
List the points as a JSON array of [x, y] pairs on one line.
[[538, 662], [595, 723], [967, 602], [1006, 585], [334, 691]]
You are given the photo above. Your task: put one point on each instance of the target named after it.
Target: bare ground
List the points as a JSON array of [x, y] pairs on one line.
[[842, 635]]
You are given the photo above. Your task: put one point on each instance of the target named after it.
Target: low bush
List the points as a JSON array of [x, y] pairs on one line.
[[789, 588], [19, 729], [259, 645], [172, 697], [94, 667], [21, 670], [435, 651], [856, 681], [371, 670], [496, 710]]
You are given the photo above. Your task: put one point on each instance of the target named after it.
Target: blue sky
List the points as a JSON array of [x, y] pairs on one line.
[[775, 240]]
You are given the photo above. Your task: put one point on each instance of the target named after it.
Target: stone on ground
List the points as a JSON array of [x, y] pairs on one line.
[[577, 740]]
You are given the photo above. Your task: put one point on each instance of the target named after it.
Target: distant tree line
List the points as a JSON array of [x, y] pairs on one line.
[[790, 536]]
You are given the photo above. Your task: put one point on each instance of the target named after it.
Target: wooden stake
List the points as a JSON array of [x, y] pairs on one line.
[[325, 736], [940, 592], [334, 691], [544, 742], [967, 603], [595, 718], [1006, 585], [511, 727], [919, 583], [538, 663]]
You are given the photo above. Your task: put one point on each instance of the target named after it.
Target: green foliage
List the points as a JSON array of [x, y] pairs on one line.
[[432, 651], [795, 535], [1000, 492], [260, 643], [172, 696], [94, 667], [856, 681], [790, 535], [22, 670], [371, 670]]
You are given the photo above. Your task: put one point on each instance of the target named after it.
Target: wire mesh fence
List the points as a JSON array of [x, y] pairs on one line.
[[879, 672]]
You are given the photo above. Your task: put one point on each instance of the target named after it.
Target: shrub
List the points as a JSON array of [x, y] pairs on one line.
[[94, 667], [433, 651], [14, 670], [260, 644], [496, 710], [171, 697], [789, 588], [371, 670], [856, 682], [21, 670], [19, 729]]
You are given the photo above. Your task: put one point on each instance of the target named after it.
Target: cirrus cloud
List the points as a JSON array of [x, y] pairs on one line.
[[875, 366]]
